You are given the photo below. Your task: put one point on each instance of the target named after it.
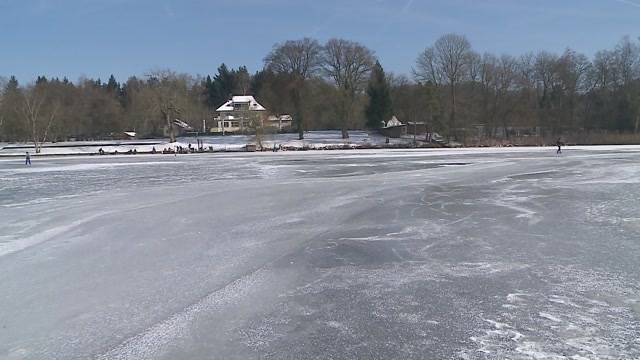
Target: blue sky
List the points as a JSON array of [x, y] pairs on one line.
[[96, 38]]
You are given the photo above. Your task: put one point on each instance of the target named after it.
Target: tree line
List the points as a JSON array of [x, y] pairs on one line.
[[342, 85]]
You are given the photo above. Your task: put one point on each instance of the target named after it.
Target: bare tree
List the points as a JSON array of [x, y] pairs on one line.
[[572, 71], [301, 60], [254, 122], [487, 80], [498, 83], [546, 76], [348, 65], [166, 86], [505, 84], [604, 73], [427, 68], [39, 113], [299, 57], [242, 80], [446, 62], [474, 66], [627, 60]]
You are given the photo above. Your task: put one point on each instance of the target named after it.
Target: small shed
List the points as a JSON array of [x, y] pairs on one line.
[[394, 128]]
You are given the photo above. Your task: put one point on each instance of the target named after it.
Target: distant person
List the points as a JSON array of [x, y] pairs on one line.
[[559, 145], [27, 159]]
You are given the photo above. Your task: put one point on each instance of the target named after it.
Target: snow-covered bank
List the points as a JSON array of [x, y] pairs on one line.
[[313, 140], [355, 149], [78, 148]]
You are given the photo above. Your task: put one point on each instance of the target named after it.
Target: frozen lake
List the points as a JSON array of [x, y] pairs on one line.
[[432, 254]]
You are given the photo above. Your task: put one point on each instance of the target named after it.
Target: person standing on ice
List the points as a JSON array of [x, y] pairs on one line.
[[559, 145], [27, 159]]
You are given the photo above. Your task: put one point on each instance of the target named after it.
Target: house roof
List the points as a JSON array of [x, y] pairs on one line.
[[283, 117], [182, 124], [393, 122], [245, 99]]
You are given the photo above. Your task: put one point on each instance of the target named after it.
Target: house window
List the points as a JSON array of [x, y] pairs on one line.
[[226, 124], [235, 124]]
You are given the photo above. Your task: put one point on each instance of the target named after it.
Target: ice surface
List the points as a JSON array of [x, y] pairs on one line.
[[396, 254]]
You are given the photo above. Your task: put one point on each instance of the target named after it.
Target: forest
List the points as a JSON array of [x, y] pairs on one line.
[[470, 97]]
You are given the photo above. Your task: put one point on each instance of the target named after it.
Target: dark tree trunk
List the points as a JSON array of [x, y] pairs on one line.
[[452, 118], [345, 132], [172, 134], [300, 132], [346, 111], [298, 111]]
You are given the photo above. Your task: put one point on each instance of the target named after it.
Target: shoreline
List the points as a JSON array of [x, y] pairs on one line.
[[332, 148]]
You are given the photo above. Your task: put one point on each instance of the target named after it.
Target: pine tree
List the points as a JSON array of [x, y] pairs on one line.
[[380, 108], [12, 126], [222, 85], [209, 93], [12, 84], [112, 85]]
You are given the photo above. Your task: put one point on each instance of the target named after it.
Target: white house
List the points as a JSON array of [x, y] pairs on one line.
[[282, 122], [235, 115]]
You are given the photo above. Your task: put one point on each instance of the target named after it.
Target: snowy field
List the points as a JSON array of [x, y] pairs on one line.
[[432, 254]]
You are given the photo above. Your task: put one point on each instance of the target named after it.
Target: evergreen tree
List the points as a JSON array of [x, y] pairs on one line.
[[11, 127], [380, 108], [12, 84], [112, 85], [222, 86], [209, 93], [259, 80]]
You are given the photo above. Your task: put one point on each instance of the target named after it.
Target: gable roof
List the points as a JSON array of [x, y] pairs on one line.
[[244, 99], [394, 122]]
